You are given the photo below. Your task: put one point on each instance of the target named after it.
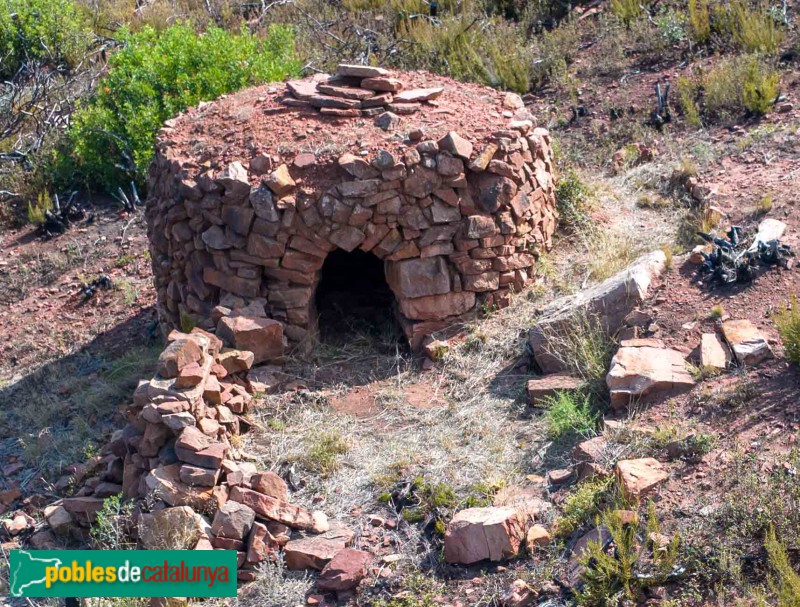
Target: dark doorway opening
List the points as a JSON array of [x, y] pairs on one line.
[[354, 301]]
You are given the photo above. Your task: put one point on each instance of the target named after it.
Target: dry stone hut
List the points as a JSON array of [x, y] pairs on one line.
[[436, 195]]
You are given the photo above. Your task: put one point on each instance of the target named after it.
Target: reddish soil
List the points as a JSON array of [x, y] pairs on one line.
[[273, 128], [364, 401], [45, 314]]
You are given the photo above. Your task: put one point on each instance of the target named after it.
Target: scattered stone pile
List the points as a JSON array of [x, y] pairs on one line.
[[176, 459], [457, 217], [359, 90]]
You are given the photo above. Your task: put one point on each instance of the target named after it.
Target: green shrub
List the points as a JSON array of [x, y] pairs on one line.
[[752, 30], [785, 583], [627, 11], [616, 578], [51, 31], [788, 322], [699, 21], [154, 76], [110, 530], [569, 412], [573, 200], [583, 504], [739, 85], [687, 97], [761, 88], [466, 47]]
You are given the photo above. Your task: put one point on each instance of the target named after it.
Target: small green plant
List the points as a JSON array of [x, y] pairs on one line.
[[420, 590], [110, 530], [569, 412], [187, 323], [788, 322], [583, 504], [614, 578], [668, 256], [573, 200], [761, 87], [764, 205], [37, 210], [436, 504], [688, 92], [323, 453], [716, 312], [785, 583]]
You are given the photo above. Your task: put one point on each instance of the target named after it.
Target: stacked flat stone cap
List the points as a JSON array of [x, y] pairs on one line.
[[358, 90]]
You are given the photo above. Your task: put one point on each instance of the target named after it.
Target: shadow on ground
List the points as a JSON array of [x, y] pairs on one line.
[[59, 413]]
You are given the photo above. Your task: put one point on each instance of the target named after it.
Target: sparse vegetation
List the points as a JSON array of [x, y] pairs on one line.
[[111, 530], [764, 204], [323, 451], [569, 412], [573, 200], [788, 322], [716, 312], [583, 504]]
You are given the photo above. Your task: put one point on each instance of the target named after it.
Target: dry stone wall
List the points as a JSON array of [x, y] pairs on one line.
[[459, 218]]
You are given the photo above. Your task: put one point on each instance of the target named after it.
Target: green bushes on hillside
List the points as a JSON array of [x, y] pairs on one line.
[[52, 31], [155, 75], [731, 88], [492, 53]]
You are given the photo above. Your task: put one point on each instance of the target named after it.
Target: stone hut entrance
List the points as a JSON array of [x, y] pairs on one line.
[[353, 298], [302, 213]]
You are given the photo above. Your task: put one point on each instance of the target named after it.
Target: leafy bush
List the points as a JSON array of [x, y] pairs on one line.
[[788, 322], [671, 27], [569, 412], [154, 76], [52, 31]]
